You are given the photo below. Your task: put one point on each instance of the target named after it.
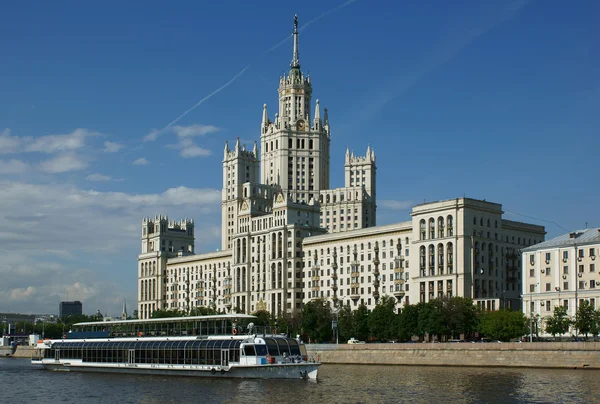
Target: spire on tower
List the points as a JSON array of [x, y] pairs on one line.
[[325, 117], [255, 150], [237, 144], [347, 155], [295, 60], [265, 117], [317, 116]]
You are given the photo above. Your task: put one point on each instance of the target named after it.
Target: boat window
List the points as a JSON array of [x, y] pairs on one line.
[[294, 346], [261, 350], [272, 346], [249, 350]]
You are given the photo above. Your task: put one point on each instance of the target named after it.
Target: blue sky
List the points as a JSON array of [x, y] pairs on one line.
[[495, 100]]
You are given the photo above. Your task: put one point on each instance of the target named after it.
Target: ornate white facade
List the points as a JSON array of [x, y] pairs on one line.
[[288, 238]]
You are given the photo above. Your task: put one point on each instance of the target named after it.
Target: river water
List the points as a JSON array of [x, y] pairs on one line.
[[21, 383]]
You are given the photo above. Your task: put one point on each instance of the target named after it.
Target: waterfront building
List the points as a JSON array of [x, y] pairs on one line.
[[561, 271], [458, 247], [74, 308], [287, 237]]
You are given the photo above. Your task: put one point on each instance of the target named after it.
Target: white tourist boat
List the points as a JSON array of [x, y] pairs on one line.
[[183, 346]]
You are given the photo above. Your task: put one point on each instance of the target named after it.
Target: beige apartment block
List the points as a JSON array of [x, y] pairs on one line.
[[561, 271], [287, 237]]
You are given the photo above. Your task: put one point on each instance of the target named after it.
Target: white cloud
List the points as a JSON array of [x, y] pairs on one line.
[[112, 147], [63, 163], [13, 166], [394, 205], [57, 239], [188, 149], [9, 144], [98, 177], [152, 135], [194, 130], [182, 131], [194, 151], [140, 162], [57, 143]]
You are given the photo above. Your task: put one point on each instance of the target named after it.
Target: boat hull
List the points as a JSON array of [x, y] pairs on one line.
[[305, 370]]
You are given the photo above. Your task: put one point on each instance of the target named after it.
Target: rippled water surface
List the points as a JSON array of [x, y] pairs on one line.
[[21, 383]]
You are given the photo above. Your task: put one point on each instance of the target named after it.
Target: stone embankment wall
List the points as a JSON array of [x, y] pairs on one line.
[[24, 351], [534, 355]]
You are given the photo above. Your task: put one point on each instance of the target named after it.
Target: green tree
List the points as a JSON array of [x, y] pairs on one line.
[[202, 311], [316, 320], [503, 324], [432, 318], [287, 324], [460, 315], [382, 320], [595, 324], [167, 313], [584, 318], [408, 321], [361, 323], [345, 323], [263, 318], [559, 322]]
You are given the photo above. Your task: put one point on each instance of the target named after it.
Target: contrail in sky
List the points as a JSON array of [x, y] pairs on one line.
[[174, 121], [234, 78]]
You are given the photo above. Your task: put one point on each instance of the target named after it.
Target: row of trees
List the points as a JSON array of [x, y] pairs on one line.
[[586, 321], [440, 319]]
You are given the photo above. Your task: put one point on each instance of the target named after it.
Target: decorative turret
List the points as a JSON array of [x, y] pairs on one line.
[[317, 120], [265, 119], [226, 150]]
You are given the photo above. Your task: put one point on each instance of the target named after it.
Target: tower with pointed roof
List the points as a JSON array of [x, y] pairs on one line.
[[239, 166], [295, 146]]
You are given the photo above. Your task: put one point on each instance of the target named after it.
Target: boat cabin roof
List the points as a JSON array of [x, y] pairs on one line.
[[216, 317]]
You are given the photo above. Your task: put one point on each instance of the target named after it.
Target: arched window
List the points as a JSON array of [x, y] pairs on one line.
[[422, 229], [431, 228]]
